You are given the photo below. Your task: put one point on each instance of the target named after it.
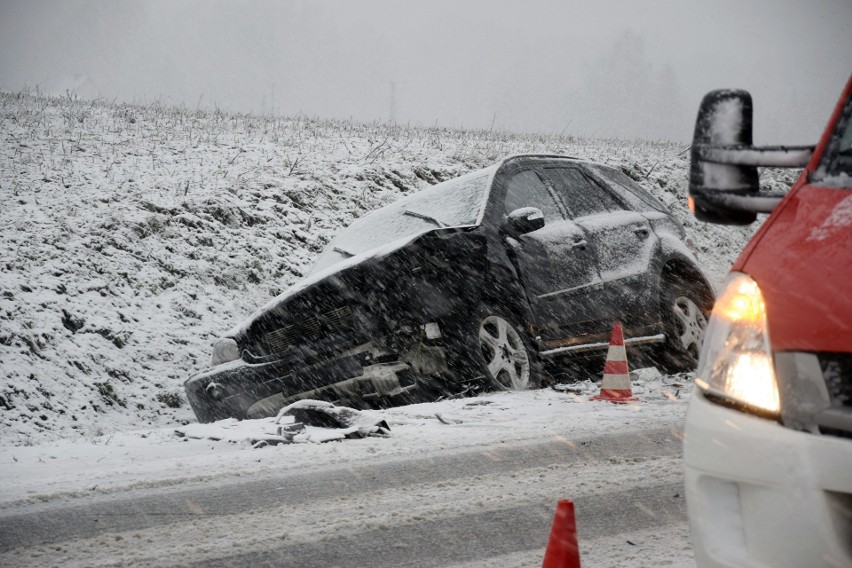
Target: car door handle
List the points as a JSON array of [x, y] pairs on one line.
[[579, 244]]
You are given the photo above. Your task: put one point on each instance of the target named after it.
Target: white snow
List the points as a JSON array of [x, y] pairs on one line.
[[839, 218], [143, 459], [763, 157], [841, 181], [134, 236], [727, 121], [162, 457]]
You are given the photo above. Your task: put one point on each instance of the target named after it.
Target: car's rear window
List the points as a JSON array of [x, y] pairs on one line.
[[635, 195], [580, 195]]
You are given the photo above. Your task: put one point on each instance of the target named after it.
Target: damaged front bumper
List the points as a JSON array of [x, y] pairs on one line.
[[257, 390]]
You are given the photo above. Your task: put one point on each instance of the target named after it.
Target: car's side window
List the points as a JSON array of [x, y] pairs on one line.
[[581, 196], [636, 195], [525, 189]]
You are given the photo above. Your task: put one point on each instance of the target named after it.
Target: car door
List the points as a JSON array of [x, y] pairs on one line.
[[624, 245], [555, 263]]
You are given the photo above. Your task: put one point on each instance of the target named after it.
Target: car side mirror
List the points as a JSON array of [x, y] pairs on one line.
[[723, 181], [525, 220]]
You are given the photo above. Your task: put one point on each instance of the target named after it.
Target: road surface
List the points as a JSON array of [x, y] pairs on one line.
[[490, 506]]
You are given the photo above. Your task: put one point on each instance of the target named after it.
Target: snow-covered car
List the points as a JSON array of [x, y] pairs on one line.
[[472, 282], [768, 435]]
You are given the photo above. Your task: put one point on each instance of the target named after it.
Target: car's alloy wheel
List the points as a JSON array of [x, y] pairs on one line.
[[686, 322], [690, 324], [504, 353]]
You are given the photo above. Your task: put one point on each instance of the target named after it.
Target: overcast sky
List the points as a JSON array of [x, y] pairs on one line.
[[602, 68]]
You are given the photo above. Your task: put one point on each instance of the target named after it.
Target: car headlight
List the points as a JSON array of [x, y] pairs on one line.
[[736, 360], [225, 350]]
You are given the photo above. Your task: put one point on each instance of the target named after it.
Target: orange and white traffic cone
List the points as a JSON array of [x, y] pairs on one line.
[[562, 550], [616, 378]]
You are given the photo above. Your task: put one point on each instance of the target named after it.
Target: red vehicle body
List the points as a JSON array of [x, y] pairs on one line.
[[768, 434], [807, 284]]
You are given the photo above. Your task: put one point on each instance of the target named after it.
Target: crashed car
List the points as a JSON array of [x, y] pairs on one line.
[[470, 283]]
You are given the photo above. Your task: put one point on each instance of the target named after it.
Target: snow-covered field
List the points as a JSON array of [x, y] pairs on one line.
[[133, 235]]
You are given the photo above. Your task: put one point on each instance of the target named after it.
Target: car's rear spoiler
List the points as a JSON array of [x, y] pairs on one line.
[[723, 181]]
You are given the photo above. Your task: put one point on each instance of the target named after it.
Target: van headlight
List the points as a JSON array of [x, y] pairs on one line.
[[736, 366], [225, 350]]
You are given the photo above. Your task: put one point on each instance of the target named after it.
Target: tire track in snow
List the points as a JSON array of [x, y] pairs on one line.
[[476, 536], [384, 505], [55, 521], [648, 548], [380, 529]]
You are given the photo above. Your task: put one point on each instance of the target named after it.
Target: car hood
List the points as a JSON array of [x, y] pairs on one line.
[[803, 265], [336, 276]]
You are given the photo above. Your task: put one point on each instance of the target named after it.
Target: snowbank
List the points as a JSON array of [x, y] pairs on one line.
[[149, 458]]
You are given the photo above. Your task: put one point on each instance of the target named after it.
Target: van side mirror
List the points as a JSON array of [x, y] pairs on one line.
[[525, 220], [723, 181]]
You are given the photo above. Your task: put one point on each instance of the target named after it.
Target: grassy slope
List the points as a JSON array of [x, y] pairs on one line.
[[133, 235]]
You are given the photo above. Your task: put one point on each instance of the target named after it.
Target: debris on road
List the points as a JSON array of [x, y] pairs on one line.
[[305, 421]]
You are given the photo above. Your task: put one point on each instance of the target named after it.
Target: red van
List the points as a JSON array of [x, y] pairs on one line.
[[768, 435]]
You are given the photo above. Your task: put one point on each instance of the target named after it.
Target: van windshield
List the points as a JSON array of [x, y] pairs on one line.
[[836, 167]]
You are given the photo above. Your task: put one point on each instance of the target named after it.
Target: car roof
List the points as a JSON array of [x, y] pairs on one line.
[[520, 157]]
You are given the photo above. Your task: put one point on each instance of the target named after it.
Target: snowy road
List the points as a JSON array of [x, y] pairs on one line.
[[493, 505]]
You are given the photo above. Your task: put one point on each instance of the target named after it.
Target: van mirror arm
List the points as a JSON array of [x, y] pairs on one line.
[[724, 186], [765, 156]]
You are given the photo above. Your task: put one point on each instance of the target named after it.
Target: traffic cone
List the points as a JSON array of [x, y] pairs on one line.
[[616, 376], [562, 548]]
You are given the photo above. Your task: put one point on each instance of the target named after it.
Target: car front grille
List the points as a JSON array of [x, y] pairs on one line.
[[310, 328], [816, 391], [837, 373]]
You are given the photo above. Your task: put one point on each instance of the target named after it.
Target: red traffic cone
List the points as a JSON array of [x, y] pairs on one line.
[[616, 378], [562, 548]]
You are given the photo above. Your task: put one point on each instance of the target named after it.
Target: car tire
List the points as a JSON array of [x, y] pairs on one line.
[[685, 312], [502, 351]]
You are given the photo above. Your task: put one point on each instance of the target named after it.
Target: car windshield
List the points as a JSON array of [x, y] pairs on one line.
[[454, 203], [836, 167]]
